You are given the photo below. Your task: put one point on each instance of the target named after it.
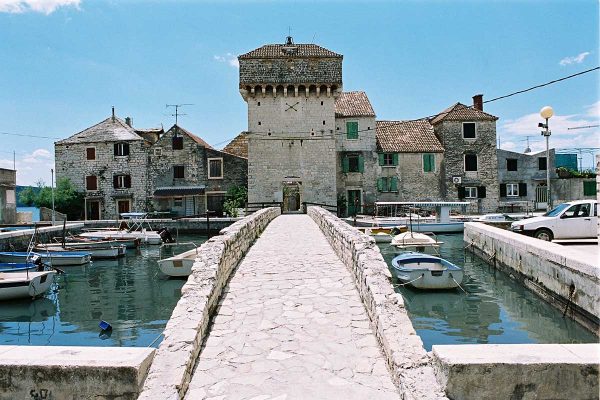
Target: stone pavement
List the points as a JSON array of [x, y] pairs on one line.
[[291, 326]]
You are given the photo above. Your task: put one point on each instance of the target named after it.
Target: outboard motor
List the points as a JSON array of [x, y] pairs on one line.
[[165, 235], [36, 260]]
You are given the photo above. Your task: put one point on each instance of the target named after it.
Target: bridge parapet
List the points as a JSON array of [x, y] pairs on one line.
[[407, 360], [170, 373]]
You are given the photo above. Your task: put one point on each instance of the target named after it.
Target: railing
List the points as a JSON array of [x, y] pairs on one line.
[[253, 207], [328, 207]]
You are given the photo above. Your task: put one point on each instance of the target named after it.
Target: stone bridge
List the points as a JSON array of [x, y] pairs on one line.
[[308, 313]]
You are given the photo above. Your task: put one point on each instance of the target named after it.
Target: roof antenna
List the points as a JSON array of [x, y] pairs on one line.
[[113, 113], [289, 40], [177, 113]]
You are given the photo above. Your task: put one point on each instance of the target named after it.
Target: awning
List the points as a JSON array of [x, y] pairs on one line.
[[179, 191]]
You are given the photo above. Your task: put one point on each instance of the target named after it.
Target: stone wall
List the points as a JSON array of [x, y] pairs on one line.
[[72, 372], [286, 70], [186, 330], [563, 190], [519, 371], [558, 274], [484, 145], [406, 358], [8, 201]]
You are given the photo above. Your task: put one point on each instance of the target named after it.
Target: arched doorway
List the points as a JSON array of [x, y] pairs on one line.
[[292, 189]]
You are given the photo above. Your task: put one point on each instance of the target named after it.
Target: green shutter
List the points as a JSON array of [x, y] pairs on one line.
[[381, 184], [361, 163], [380, 157], [589, 188], [352, 130], [395, 159], [393, 184], [428, 163], [345, 164]]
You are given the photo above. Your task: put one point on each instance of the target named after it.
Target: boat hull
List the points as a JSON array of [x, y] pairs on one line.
[[425, 225], [57, 259], [147, 237], [179, 265], [16, 266], [22, 285], [427, 272], [96, 253]]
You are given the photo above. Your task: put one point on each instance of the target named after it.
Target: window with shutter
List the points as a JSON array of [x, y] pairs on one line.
[[91, 182], [381, 184], [469, 131], [542, 165], [90, 153], [345, 164], [394, 159], [511, 164], [353, 162], [352, 130], [177, 142], [381, 158], [388, 159], [589, 188], [470, 192], [470, 162], [503, 190], [393, 181], [461, 192], [522, 189], [361, 163], [481, 192], [178, 172], [512, 190], [215, 168], [428, 162], [121, 149]]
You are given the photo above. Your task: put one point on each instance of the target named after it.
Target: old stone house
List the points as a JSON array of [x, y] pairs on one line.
[[309, 141], [123, 169], [8, 200]]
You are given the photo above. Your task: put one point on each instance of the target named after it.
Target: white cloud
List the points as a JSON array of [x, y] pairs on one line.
[[593, 110], [228, 58], [31, 167], [42, 6], [578, 59]]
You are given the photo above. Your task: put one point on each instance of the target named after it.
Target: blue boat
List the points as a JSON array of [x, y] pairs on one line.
[[17, 267], [56, 258], [424, 271]]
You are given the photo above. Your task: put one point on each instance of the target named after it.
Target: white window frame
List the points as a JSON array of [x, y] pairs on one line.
[[512, 190], [465, 163], [463, 130], [121, 182], [471, 192], [391, 164], [95, 153], [117, 201], [121, 149], [208, 160]]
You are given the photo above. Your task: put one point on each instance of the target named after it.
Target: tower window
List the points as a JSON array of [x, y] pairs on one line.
[[321, 103], [259, 122], [323, 122], [259, 103]]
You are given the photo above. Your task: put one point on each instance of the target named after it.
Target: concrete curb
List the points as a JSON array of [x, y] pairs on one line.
[[171, 370]]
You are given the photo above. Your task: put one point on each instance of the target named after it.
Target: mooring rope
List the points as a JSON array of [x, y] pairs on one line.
[[414, 280], [155, 339], [458, 284]]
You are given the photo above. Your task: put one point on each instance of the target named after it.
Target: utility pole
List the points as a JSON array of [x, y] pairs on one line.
[[53, 213]]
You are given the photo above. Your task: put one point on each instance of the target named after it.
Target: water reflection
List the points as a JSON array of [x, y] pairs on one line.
[[129, 293], [495, 308]]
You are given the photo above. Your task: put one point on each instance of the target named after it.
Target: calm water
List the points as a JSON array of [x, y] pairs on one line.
[[131, 294], [495, 310]]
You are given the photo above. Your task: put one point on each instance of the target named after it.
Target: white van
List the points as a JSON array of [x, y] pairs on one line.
[[572, 220]]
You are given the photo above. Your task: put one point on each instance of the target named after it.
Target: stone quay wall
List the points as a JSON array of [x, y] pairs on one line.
[[560, 275], [407, 360], [72, 372], [18, 240], [171, 370]]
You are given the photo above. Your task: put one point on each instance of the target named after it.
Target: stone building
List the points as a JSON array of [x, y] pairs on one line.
[[123, 169], [290, 90], [188, 176], [308, 140], [469, 169], [8, 199]]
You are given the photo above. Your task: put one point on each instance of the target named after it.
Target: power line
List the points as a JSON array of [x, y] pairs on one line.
[[26, 135]]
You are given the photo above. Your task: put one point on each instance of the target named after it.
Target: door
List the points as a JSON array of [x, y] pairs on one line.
[[354, 202], [291, 197], [541, 197], [93, 210], [123, 206]]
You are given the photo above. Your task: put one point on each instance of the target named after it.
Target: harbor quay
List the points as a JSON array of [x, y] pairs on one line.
[[303, 306]]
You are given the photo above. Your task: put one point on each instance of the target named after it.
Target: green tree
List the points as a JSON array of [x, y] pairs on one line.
[[67, 199], [27, 196]]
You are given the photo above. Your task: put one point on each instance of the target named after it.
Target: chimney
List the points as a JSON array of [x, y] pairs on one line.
[[113, 113], [129, 121], [478, 102]]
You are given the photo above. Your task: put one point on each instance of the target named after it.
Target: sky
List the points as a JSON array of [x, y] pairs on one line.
[[65, 63]]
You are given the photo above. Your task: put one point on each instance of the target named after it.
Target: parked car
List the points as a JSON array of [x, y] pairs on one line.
[[572, 220]]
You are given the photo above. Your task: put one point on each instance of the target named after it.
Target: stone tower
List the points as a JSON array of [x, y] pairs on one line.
[[290, 90]]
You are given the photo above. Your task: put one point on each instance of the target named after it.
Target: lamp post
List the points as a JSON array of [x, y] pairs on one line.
[[547, 113], [52, 173]]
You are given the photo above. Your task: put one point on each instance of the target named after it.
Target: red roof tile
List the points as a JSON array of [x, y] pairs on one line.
[[407, 137], [353, 104]]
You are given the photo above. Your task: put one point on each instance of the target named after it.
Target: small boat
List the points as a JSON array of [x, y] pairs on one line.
[[21, 285], [424, 271], [17, 267], [148, 237], [105, 252], [180, 264], [416, 241], [58, 258], [129, 243]]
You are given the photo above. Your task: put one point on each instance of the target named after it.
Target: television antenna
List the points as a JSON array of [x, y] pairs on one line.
[[177, 113]]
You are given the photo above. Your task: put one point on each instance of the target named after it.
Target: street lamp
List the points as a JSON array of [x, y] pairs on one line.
[[547, 113]]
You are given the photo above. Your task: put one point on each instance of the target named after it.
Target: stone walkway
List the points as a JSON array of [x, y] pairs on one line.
[[291, 326]]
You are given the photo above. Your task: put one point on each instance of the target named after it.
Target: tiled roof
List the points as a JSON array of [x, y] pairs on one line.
[[460, 112], [195, 138], [407, 137], [238, 146], [109, 130], [295, 50], [353, 104]]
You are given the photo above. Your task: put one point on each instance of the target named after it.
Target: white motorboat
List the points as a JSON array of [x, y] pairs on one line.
[[134, 225], [382, 234], [55, 258], [81, 240], [416, 241], [180, 264], [440, 223], [106, 252], [22, 285], [424, 271], [148, 237]]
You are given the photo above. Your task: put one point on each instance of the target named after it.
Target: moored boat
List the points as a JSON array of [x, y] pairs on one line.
[[105, 252], [55, 258], [149, 237], [383, 234], [416, 241], [132, 243], [28, 284], [180, 264], [17, 266], [424, 271]]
